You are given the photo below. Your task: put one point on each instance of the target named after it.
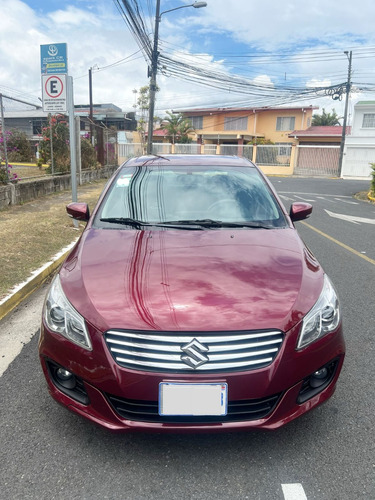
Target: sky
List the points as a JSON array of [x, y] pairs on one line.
[[271, 44]]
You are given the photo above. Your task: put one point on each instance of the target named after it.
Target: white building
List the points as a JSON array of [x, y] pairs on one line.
[[359, 150]]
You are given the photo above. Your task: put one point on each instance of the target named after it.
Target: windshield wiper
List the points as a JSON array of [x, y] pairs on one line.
[[127, 221], [210, 223]]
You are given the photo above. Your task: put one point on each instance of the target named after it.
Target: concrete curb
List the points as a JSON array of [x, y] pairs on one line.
[[38, 277]]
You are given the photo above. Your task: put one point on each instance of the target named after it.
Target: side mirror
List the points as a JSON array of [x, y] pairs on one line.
[[79, 211], [300, 211]]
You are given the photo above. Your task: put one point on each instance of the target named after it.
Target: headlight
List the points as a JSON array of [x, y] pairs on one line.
[[323, 318], [61, 317]]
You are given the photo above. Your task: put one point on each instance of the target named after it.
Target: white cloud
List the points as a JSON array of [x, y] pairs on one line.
[[96, 35], [74, 16]]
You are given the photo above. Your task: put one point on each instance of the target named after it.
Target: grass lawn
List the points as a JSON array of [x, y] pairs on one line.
[[31, 234]]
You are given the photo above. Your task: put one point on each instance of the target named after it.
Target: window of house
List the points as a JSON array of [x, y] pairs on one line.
[[38, 124], [368, 120], [285, 122], [196, 121], [235, 123]]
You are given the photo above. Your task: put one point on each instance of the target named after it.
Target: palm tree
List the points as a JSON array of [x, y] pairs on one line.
[[325, 119], [178, 127]]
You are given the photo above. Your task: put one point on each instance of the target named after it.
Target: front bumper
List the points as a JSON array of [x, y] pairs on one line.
[[123, 400]]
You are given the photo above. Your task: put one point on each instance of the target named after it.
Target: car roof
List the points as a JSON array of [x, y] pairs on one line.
[[202, 160]]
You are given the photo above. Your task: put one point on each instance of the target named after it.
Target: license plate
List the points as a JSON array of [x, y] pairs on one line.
[[193, 399]]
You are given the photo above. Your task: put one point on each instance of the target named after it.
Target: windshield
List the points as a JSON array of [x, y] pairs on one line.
[[182, 194]]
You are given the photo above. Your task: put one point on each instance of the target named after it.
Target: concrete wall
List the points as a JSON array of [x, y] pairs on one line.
[[15, 194]]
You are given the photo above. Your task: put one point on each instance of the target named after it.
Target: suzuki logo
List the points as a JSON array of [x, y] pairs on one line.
[[194, 354]]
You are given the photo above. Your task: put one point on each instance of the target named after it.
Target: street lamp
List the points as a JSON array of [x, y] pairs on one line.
[[154, 66]]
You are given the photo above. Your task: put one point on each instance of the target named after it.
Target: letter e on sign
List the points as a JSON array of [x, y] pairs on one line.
[[54, 86]]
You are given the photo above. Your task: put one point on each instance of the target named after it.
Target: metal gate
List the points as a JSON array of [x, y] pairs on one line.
[[317, 160]]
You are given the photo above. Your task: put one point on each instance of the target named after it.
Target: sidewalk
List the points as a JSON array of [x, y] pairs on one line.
[[35, 238]]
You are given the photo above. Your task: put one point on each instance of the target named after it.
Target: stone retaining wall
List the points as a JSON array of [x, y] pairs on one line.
[[15, 194]]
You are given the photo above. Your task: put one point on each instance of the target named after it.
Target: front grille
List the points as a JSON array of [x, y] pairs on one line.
[[200, 351], [238, 411]]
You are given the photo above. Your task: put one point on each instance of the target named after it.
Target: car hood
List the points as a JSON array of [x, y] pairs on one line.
[[180, 280]]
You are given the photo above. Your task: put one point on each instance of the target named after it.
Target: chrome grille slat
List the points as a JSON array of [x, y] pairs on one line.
[[206, 339], [177, 348], [194, 352], [210, 366], [174, 357]]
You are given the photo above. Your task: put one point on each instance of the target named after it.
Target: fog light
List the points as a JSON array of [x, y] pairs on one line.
[[319, 377], [317, 381], [322, 373], [65, 378]]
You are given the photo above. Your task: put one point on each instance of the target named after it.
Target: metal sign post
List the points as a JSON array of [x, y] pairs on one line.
[[4, 137], [57, 94], [72, 138]]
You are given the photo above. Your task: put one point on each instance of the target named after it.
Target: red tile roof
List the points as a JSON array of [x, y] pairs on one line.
[[160, 132]]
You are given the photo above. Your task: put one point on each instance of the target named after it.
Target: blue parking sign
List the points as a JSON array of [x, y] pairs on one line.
[[54, 58]]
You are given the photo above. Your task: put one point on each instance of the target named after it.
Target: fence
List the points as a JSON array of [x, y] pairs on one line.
[[237, 150], [273, 155], [317, 160]]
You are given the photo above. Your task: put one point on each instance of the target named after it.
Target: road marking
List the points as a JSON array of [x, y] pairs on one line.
[[325, 199], [304, 199], [350, 249], [351, 218], [286, 198], [293, 491], [317, 194], [348, 202]]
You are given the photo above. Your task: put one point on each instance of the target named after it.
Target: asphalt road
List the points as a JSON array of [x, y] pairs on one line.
[[48, 453]]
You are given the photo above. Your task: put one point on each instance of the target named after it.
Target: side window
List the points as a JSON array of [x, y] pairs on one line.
[[285, 123]]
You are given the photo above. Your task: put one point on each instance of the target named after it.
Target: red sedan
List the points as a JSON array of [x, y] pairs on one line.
[[190, 303]]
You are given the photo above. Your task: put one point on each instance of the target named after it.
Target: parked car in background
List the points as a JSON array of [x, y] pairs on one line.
[[190, 303]]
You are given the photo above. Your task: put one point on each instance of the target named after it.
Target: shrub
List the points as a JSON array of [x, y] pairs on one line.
[[60, 144], [13, 177], [18, 146], [88, 154]]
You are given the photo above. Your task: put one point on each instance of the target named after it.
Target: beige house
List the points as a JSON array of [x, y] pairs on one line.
[[247, 125]]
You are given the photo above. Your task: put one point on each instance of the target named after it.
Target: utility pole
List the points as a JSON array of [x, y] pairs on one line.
[[153, 70], [154, 66], [348, 88], [91, 113]]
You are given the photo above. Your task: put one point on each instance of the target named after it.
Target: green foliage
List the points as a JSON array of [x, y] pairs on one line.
[[88, 154], [178, 128], [6, 176], [261, 141], [325, 119], [18, 146], [373, 180], [60, 144], [142, 105]]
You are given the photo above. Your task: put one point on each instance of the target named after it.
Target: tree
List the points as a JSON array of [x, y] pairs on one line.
[[178, 128], [142, 105], [57, 128], [325, 119]]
